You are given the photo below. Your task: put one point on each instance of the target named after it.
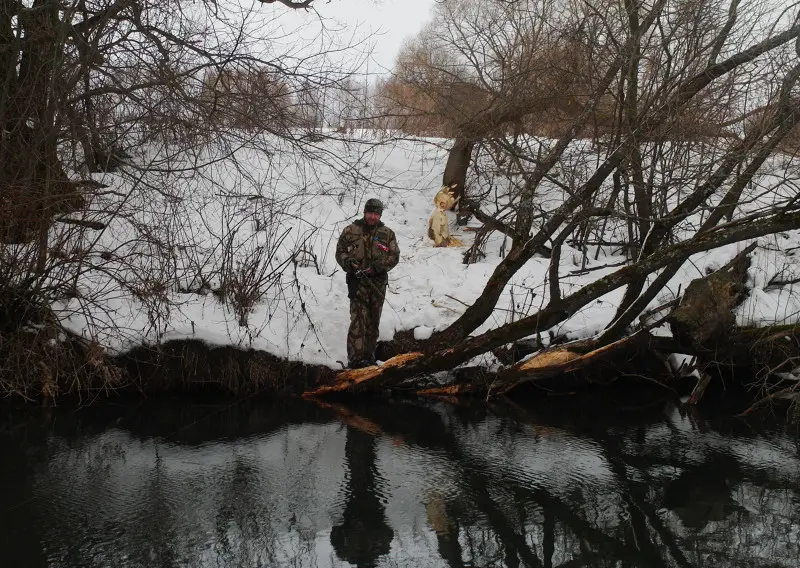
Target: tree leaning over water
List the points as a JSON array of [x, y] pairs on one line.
[[657, 129]]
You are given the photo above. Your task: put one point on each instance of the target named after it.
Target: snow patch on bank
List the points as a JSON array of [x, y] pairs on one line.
[[304, 206]]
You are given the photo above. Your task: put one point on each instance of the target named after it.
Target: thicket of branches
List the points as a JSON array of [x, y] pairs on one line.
[[173, 98], [642, 127]]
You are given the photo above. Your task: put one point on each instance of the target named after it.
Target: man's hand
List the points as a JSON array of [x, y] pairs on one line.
[[353, 265]]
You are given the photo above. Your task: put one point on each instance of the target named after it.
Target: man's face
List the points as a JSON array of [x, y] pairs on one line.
[[372, 218]]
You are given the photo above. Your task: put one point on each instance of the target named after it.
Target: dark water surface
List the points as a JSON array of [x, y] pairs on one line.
[[260, 483]]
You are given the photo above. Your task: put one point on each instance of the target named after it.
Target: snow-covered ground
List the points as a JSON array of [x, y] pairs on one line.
[[183, 230]]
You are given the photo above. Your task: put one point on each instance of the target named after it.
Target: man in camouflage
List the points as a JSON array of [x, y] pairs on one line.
[[367, 250]]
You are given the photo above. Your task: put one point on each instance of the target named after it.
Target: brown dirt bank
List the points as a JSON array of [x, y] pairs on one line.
[[36, 367], [194, 365]]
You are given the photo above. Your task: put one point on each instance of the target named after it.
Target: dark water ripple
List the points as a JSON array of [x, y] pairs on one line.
[[393, 484]]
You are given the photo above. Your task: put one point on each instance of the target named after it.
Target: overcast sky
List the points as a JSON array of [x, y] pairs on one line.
[[389, 22], [395, 20]]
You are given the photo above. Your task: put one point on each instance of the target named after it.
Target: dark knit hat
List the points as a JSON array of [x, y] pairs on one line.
[[373, 206]]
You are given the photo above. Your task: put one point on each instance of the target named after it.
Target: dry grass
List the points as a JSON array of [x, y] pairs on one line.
[[44, 363]]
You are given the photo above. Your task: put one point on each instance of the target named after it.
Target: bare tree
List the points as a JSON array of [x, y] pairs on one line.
[[669, 170], [172, 98]]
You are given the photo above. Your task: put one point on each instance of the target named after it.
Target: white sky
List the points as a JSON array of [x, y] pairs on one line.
[[389, 22], [394, 20]]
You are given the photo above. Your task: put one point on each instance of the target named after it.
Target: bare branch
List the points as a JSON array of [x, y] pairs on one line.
[[294, 4]]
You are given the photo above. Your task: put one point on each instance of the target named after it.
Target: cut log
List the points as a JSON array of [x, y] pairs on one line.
[[557, 361], [354, 379]]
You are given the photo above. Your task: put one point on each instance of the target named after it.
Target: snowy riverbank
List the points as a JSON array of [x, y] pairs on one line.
[[286, 211]]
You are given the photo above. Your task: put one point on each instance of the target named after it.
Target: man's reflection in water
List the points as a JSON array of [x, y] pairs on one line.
[[363, 534]]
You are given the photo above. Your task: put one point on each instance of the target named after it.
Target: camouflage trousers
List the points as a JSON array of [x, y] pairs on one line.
[[366, 304]]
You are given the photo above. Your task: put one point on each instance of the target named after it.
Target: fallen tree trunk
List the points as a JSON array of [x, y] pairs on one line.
[[627, 356], [769, 355], [417, 364], [354, 379], [560, 360]]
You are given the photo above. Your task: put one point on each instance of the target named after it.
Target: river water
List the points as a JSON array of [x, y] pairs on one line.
[[385, 483]]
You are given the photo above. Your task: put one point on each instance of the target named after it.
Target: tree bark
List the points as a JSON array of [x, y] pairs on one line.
[[458, 160], [642, 197], [559, 360]]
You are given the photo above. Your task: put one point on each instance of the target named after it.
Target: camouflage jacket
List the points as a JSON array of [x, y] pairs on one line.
[[374, 247]]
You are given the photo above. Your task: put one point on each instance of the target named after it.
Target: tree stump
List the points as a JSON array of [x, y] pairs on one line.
[[704, 318]]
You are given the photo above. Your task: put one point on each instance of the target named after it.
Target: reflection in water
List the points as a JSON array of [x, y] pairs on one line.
[[446, 527], [362, 535], [704, 493], [392, 484]]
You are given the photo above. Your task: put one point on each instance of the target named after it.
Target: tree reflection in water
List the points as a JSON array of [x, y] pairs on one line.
[[323, 486], [703, 493], [363, 535]]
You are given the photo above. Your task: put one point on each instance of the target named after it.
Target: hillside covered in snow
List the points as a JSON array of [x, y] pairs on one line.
[[241, 252]]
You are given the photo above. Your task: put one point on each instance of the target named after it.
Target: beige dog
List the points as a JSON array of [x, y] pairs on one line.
[[438, 225]]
